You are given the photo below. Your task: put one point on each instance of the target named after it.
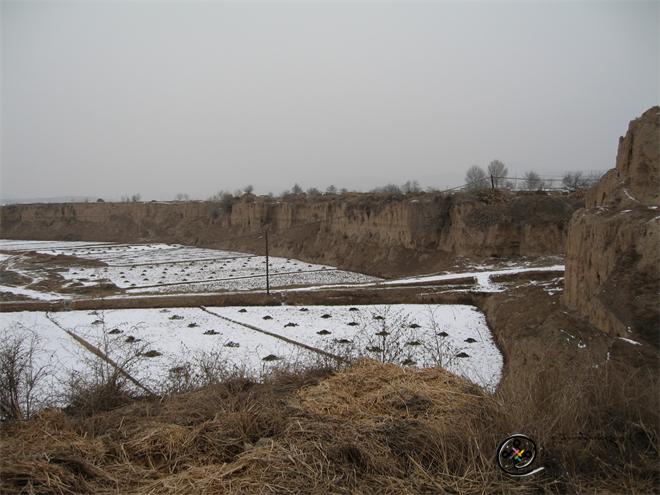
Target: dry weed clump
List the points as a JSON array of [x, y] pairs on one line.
[[371, 390], [47, 455], [371, 428]]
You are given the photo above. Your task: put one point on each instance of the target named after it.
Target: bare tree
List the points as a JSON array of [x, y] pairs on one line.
[[296, 189], [216, 197], [411, 187], [574, 181], [19, 375], [498, 171], [384, 334], [249, 189], [392, 336], [475, 178], [313, 192], [331, 189], [593, 178], [181, 197], [227, 201], [225, 198], [200, 369], [136, 197], [105, 381], [532, 181], [389, 188]]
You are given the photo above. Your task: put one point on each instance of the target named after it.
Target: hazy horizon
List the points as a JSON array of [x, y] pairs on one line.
[[104, 99]]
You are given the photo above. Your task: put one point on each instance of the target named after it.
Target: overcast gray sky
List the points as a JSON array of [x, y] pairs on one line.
[[105, 99]]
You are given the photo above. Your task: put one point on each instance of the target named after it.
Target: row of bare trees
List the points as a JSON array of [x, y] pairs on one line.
[[496, 176]]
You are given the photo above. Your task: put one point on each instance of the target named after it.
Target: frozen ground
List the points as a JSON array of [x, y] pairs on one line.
[[170, 268], [455, 337], [179, 336], [32, 294], [483, 278], [55, 352], [175, 269]]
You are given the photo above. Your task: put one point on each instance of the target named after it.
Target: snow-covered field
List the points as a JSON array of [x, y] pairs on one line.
[[179, 336], [171, 268], [176, 269], [455, 337], [55, 352], [153, 344]]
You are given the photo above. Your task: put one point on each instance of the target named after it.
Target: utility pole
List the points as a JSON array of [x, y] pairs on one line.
[[267, 269]]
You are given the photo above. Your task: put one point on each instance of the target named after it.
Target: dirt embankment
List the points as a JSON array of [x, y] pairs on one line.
[[374, 233], [612, 254]]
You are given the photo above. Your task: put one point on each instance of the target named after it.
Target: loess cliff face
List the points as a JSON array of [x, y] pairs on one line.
[[373, 233], [612, 251]]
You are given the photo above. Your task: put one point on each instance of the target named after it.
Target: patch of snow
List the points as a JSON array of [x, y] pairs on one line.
[[180, 335], [179, 340], [484, 283], [170, 268], [630, 341], [33, 294], [55, 351], [460, 322], [625, 191]]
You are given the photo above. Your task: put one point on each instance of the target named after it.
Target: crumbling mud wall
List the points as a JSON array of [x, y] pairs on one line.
[[613, 246], [374, 233]]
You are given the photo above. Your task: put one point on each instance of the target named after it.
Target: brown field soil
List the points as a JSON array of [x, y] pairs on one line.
[[9, 277], [46, 268]]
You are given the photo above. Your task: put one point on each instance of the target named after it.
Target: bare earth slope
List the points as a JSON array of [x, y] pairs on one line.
[[612, 253]]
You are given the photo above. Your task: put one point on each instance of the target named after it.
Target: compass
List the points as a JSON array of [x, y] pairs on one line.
[[516, 455]]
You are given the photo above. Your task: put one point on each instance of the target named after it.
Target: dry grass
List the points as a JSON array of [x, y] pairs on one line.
[[372, 428]]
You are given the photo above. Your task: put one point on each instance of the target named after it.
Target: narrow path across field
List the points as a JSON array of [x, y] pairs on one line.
[[97, 352], [277, 336]]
